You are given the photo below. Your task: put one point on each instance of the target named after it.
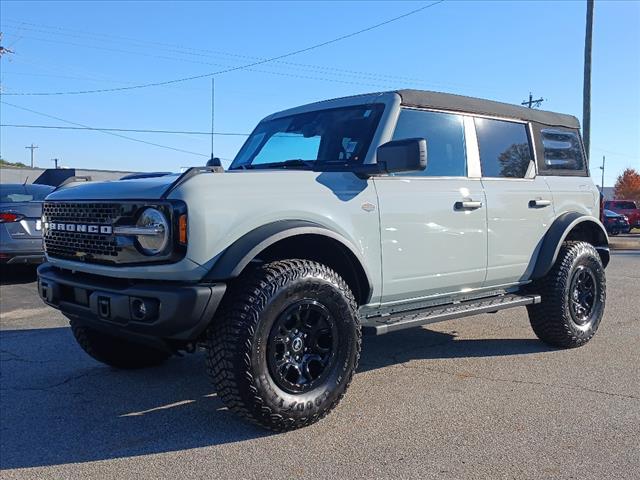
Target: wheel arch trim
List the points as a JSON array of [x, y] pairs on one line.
[[557, 234], [237, 256]]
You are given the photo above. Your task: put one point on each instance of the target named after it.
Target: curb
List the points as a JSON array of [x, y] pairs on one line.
[[624, 243]]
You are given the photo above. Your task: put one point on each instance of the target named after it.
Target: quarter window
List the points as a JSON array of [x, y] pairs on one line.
[[444, 133], [505, 150], [562, 150]]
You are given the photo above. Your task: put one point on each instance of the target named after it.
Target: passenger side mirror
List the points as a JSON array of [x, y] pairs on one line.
[[407, 155]]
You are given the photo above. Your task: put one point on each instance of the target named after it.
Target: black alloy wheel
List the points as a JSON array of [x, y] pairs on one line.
[[583, 294], [302, 346]]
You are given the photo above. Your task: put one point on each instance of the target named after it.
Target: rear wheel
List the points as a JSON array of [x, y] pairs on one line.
[[114, 351], [286, 344], [573, 297]]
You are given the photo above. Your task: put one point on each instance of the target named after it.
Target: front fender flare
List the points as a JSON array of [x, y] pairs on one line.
[[557, 234], [238, 255]]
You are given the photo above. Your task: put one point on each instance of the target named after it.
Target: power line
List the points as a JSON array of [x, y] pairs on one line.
[[319, 70], [102, 131], [132, 130], [181, 50], [240, 67], [616, 153]]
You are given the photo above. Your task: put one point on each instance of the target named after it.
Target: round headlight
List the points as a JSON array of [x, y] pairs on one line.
[[156, 235]]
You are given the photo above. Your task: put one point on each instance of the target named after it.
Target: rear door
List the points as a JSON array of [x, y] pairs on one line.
[[433, 222], [519, 203]]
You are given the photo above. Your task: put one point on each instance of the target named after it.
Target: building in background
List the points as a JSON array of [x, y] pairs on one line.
[[30, 175]]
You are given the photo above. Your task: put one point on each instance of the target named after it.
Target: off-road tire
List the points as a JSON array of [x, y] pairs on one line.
[[114, 351], [238, 343], [552, 319]]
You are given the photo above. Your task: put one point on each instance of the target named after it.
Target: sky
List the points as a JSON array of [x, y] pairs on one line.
[[497, 50]]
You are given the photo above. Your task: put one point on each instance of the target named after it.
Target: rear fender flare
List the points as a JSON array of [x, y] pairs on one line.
[[558, 233]]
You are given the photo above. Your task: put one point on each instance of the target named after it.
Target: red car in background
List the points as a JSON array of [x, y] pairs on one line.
[[627, 208]]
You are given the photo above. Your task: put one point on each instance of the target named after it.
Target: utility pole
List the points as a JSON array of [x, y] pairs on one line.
[[602, 181], [586, 90], [55, 160], [531, 103], [3, 51], [32, 147]]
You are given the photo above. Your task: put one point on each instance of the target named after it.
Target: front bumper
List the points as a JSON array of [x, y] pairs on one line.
[[173, 312], [13, 258]]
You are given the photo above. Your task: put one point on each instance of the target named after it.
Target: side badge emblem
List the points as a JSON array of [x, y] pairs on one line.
[[368, 206]]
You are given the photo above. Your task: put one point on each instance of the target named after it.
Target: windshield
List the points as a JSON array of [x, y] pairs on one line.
[[625, 205], [308, 140], [24, 193]]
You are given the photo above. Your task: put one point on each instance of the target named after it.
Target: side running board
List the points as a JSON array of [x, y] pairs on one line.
[[414, 318]]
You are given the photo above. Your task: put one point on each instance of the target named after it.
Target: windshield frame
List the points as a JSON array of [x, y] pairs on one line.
[[380, 109]]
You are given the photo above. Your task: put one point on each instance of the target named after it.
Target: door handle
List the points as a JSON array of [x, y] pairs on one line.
[[539, 203], [467, 205]]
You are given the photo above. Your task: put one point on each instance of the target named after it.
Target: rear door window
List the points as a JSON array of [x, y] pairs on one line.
[[505, 148]]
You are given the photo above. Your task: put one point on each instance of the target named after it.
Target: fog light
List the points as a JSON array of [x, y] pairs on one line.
[[139, 308], [143, 309]]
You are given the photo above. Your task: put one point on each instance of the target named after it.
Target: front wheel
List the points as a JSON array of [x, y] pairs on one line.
[[573, 297], [286, 344]]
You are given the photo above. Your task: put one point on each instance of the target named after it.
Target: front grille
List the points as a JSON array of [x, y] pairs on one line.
[[94, 213], [78, 245]]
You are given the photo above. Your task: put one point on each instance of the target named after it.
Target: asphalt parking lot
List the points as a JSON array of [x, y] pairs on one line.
[[472, 398]]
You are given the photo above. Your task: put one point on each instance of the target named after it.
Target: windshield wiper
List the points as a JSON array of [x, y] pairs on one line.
[[294, 162]]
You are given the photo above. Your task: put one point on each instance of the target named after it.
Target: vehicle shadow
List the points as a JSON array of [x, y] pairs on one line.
[[423, 344], [59, 406], [17, 274]]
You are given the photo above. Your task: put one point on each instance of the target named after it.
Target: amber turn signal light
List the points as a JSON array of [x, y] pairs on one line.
[[182, 229]]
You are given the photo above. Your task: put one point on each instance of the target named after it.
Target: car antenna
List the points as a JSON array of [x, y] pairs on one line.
[[213, 161]]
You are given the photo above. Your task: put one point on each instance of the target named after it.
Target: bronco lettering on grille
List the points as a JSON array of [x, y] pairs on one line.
[[77, 227]]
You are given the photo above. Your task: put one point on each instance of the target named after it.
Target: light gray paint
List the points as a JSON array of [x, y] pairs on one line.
[[428, 248], [414, 243]]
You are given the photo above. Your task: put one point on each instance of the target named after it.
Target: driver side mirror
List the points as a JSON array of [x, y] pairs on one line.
[[406, 155]]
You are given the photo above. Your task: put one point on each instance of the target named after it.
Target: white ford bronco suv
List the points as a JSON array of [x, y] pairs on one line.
[[359, 215]]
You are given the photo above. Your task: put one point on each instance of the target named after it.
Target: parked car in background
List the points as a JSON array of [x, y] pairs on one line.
[[615, 223], [627, 208], [20, 224]]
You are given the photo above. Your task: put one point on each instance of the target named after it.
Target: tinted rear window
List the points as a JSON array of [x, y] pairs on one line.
[[24, 193], [562, 150]]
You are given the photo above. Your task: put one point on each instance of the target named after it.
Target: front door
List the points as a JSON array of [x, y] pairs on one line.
[[433, 223]]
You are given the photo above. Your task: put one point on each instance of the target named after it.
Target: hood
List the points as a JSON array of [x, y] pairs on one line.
[[137, 189]]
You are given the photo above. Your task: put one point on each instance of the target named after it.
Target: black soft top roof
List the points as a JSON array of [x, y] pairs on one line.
[[447, 101]]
